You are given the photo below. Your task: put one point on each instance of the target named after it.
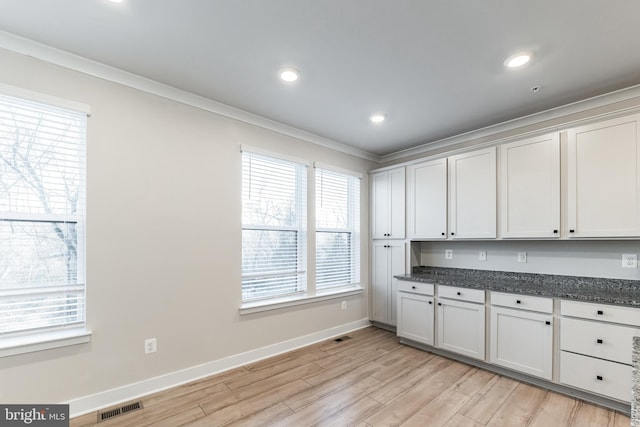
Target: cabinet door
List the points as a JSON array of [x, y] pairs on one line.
[[380, 205], [415, 317], [388, 258], [461, 327], [530, 188], [388, 204], [603, 187], [472, 192], [427, 200], [522, 341]]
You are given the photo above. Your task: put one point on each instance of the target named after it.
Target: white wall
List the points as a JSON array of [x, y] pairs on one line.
[[163, 241], [572, 258]]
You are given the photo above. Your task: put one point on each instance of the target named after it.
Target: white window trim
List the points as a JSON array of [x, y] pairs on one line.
[[292, 301], [12, 346]]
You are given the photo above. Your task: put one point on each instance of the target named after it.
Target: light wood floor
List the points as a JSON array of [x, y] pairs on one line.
[[368, 380]]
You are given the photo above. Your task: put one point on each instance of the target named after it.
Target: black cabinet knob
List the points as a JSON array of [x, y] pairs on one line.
[[547, 322], [599, 341], [430, 302], [517, 301], [452, 233], [572, 231], [443, 234], [439, 303], [413, 287], [555, 231], [600, 312], [599, 377], [458, 293]]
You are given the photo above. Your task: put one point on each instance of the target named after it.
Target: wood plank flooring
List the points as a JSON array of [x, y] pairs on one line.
[[369, 380]]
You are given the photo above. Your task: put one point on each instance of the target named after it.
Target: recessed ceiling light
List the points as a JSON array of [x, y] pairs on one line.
[[289, 74], [517, 60], [116, 1], [377, 118]]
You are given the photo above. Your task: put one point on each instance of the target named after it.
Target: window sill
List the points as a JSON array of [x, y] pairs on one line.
[[44, 341], [278, 303]]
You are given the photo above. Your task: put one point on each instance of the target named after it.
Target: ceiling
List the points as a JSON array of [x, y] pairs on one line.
[[435, 68]]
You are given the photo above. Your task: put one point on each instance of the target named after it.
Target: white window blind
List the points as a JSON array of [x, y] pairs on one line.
[[274, 194], [42, 217], [337, 229]]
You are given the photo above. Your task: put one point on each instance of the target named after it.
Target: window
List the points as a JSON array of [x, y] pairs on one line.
[[274, 198], [337, 229], [42, 217]]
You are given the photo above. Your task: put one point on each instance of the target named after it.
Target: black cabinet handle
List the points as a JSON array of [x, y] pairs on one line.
[[600, 312], [443, 234], [452, 233], [599, 377], [517, 301], [599, 341], [572, 231], [458, 293], [555, 231], [439, 303], [413, 287], [547, 322], [430, 302]]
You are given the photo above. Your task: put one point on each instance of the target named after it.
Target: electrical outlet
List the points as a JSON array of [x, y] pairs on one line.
[[343, 305], [482, 256], [150, 345], [629, 261], [522, 257], [448, 254]]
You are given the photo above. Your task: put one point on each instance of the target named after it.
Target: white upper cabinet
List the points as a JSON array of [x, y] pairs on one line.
[[603, 184], [530, 188], [427, 200], [388, 204], [472, 195]]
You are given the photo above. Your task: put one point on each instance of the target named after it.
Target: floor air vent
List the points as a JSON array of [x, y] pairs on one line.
[[121, 410], [344, 338]]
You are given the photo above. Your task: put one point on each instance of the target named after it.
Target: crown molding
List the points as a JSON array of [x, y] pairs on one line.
[[24, 46], [521, 122]]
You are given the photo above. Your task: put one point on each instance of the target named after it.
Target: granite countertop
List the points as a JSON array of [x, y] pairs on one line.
[[588, 289], [635, 384]]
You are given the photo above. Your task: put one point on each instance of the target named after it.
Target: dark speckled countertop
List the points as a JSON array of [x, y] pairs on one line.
[[588, 289]]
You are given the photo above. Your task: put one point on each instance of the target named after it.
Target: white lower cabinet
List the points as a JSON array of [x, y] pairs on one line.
[[522, 341], [461, 325], [595, 352], [415, 312], [388, 257], [521, 336]]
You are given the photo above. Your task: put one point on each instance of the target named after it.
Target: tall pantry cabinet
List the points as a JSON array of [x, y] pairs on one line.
[[388, 245]]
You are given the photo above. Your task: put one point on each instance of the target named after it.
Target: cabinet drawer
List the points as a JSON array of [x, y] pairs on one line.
[[603, 312], [462, 294], [415, 287], [596, 375], [602, 340], [524, 302]]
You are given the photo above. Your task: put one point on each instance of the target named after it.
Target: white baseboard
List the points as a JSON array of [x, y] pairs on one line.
[[104, 399]]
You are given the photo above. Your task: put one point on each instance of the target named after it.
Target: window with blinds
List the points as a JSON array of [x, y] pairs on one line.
[[274, 198], [337, 229], [42, 217]]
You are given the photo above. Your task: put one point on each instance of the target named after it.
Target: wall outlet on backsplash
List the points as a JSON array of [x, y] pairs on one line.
[[482, 255], [448, 254], [629, 261], [522, 257]]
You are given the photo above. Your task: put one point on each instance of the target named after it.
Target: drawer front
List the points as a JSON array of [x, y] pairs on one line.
[[524, 302], [462, 294], [603, 312], [602, 340], [415, 287], [595, 375]]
